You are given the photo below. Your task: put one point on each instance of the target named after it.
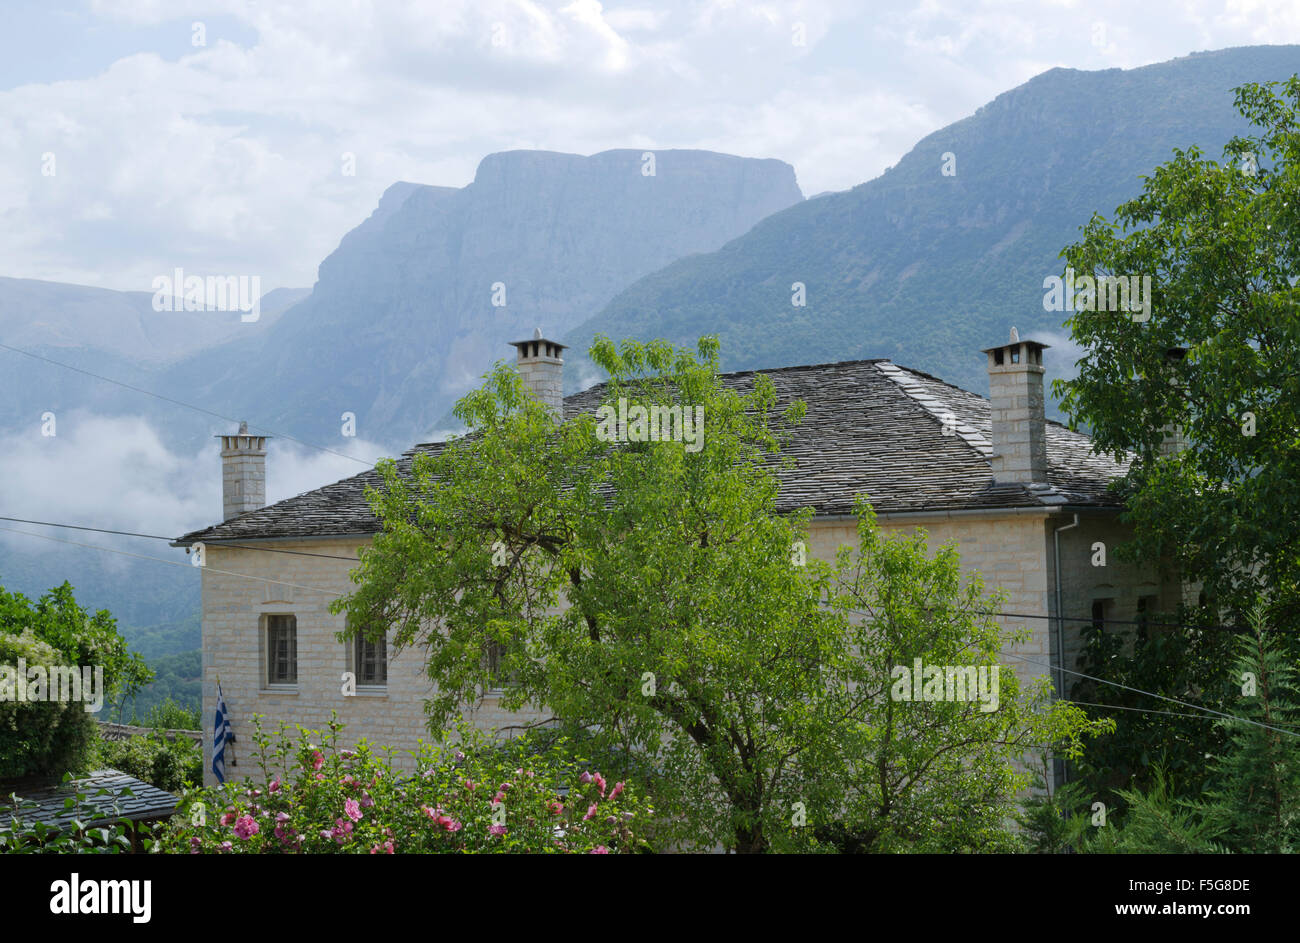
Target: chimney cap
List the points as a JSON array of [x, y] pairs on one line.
[[536, 338], [243, 430], [1015, 342]]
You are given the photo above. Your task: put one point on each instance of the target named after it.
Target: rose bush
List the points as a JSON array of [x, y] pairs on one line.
[[465, 798]]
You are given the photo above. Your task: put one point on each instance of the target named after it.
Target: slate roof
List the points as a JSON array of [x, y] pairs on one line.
[[145, 802], [871, 427]]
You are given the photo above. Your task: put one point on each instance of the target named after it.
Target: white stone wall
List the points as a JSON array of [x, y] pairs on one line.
[[234, 651], [1007, 550], [1013, 552]]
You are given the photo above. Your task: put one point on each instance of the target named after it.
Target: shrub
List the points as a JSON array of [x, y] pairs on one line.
[[39, 738], [168, 764], [468, 798], [172, 716]]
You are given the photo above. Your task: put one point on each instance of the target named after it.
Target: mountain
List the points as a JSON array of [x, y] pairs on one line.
[[116, 334], [402, 319], [398, 325], [927, 268]]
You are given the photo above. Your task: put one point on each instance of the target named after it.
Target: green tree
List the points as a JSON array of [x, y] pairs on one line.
[[1220, 242], [39, 737], [1054, 820], [1183, 663], [647, 593], [1214, 359], [47, 737], [85, 639], [1157, 821], [1257, 799]]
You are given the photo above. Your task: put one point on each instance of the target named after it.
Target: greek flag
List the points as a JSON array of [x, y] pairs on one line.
[[221, 735]]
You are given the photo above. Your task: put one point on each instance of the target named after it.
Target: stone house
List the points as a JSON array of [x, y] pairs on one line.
[[1024, 499]]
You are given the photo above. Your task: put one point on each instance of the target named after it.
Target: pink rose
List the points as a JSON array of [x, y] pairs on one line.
[[584, 778], [352, 810], [341, 831], [317, 759], [366, 801], [599, 780], [614, 793], [590, 812], [228, 818], [599, 850], [275, 785], [496, 829]]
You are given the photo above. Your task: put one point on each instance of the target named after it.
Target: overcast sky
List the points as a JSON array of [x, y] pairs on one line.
[[227, 157]]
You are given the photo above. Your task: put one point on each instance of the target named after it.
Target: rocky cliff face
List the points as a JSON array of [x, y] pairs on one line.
[[402, 319]]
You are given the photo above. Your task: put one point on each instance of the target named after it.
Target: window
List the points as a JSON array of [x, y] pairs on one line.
[[492, 652], [370, 661], [1146, 606], [281, 649], [1099, 615], [494, 657]]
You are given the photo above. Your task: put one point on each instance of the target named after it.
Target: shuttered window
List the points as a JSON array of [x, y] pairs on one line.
[[282, 649], [370, 661]]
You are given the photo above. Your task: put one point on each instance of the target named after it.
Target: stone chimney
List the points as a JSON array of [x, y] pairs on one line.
[[541, 364], [243, 472], [1019, 423]]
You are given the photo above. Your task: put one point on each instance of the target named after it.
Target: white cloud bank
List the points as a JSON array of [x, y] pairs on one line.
[[228, 158], [115, 473]]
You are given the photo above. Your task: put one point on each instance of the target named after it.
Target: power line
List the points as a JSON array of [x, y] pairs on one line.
[[140, 556], [1036, 615], [1146, 710], [1172, 700], [127, 533], [176, 402], [1137, 710]]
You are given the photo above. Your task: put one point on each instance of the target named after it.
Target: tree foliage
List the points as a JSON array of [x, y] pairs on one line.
[[47, 737], [1220, 241], [650, 595]]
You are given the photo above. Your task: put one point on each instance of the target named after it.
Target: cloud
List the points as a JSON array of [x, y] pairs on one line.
[[228, 157], [116, 473]]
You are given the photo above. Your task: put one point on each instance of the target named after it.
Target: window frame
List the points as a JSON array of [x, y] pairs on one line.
[[355, 661], [269, 627]]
